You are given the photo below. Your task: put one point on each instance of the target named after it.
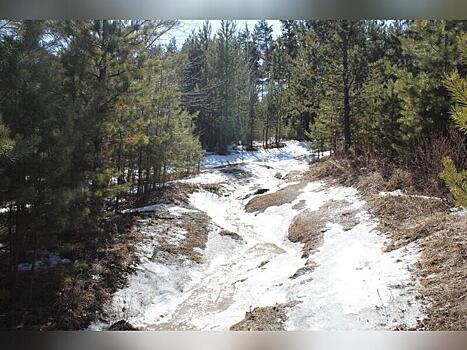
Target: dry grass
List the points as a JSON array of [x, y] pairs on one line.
[[231, 235], [444, 276], [194, 224], [399, 217], [442, 267], [308, 227], [267, 318], [440, 235]]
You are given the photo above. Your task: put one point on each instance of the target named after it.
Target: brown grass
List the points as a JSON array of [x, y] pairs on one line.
[[440, 235], [195, 224], [81, 294], [308, 227], [442, 268], [267, 318]]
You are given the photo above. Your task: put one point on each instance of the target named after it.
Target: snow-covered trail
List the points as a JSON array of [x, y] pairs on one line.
[[353, 286]]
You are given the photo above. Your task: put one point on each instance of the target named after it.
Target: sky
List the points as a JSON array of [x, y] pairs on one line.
[[185, 28]]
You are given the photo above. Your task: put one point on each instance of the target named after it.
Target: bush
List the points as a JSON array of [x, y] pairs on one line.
[[400, 179], [455, 181]]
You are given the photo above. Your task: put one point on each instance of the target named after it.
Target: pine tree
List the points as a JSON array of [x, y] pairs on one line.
[[262, 35], [430, 51], [455, 180]]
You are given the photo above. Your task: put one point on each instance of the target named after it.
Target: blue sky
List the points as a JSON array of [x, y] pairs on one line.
[[186, 27]]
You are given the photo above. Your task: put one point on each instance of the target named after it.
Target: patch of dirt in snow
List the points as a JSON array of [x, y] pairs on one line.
[[266, 318], [285, 195], [237, 172], [309, 266], [230, 234], [177, 192], [180, 235], [293, 175], [309, 226]]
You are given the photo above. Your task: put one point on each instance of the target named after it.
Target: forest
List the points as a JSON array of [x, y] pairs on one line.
[[97, 116]]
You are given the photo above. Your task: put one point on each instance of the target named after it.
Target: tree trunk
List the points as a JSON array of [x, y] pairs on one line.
[[345, 73]]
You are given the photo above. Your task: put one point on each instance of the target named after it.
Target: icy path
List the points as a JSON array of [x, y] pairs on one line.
[[354, 286]]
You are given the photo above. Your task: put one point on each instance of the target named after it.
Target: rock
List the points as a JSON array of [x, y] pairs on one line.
[[231, 234], [122, 325], [260, 191]]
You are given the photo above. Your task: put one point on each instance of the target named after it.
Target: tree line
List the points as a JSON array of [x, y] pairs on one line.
[[367, 89], [90, 115]]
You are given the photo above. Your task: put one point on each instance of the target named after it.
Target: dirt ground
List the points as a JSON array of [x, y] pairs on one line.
[[194, 224], [308, 227], [284, 195], [267, 318]]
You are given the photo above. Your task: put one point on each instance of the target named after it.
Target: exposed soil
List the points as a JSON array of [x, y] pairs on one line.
[[171, 193], [309, 267], [267, 318], [308, 227], [236, 171], [122, 325], [300, 205], [231, 234], [194, 225], [284, 195], [293, 176]]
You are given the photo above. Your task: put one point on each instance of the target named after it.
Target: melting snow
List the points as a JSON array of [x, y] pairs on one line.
[[354, 286], [174, 210], [292, 149]]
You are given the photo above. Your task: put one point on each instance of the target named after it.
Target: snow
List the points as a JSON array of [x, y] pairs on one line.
[[46, 260], [206, 178], [351, 288], [459, 211], [354, 286], [400, 193], [174, 210], [292, 149]]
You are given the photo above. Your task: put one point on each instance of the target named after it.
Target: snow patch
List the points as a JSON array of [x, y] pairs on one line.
[[175, 210], [400, 193], [292, 149], [45, 261]]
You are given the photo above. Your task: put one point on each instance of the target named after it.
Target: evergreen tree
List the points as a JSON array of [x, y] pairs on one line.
[[457, 86]]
